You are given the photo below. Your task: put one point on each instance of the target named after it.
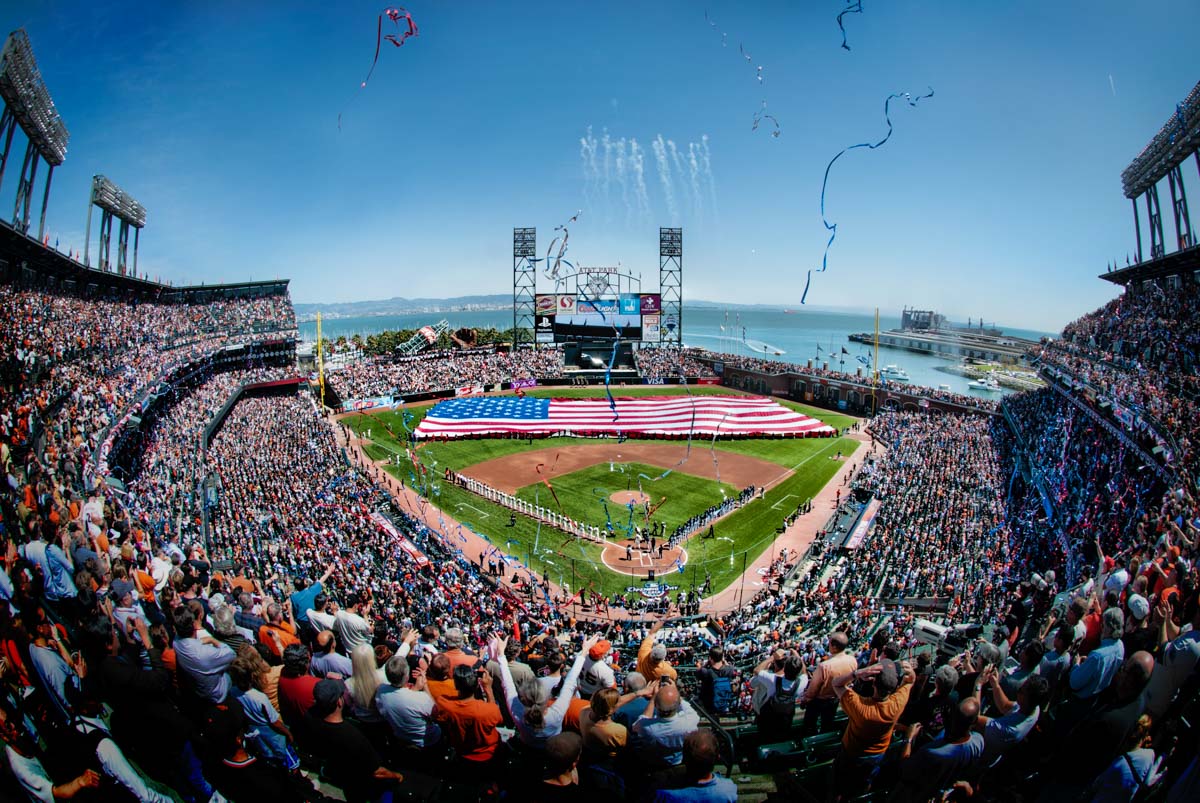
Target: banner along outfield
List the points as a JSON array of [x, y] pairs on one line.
[[792, 469]]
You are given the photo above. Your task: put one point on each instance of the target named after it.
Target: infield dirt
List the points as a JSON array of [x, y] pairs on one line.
[[515, 471]]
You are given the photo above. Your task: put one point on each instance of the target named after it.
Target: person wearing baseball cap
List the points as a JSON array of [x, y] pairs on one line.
[[1138, 633], [348, 757], [1093, 674], [597, 674], [126, 610], [652, 658], [873, 699]]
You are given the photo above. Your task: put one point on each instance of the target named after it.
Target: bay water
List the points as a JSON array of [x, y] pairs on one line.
[[796, 334]]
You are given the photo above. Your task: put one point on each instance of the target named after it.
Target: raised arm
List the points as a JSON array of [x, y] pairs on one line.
[[506, 678]]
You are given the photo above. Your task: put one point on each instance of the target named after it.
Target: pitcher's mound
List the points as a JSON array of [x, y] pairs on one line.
[[623, 498]]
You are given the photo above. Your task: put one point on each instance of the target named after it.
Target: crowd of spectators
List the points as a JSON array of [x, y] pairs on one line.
[[1141, 351], [428, 373], [667, 362], [138, 662], [161, 495]]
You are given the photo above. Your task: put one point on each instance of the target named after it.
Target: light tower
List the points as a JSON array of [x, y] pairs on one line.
[[114, 203], [27, 103], [670, 285]]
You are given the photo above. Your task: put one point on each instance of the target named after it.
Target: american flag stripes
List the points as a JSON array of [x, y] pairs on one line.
[[677, 416]]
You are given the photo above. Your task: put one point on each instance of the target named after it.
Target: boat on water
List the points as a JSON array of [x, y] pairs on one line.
[[945, 388], [894, 373], [987, 384]]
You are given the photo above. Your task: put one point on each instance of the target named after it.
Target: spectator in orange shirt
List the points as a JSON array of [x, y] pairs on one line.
[[455, 640], [276, 635], [652, 658], [469, 723], [872, 708], [439, 679]]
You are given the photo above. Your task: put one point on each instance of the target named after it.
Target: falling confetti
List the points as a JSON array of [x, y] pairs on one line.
[[852, 7], [832, 227]]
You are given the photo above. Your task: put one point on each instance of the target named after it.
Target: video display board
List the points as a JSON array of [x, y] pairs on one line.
[[561, 318]]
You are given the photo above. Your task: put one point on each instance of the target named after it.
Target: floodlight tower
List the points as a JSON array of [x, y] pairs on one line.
[[114, 203], [670, 285], [27, 103], [524, 287]]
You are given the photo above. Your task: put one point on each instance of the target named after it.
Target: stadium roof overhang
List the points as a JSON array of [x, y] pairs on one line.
[[1179, 263], [22, 251]]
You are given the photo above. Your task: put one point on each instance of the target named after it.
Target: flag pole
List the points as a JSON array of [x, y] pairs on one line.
[[875, 363]]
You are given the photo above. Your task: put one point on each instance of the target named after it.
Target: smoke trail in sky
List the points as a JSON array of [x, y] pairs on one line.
[[637, 158], [679, 171], [695, 175], [622, 166], [685, 178], [591, 174], [706, 159], [607, 142], [664, 176]]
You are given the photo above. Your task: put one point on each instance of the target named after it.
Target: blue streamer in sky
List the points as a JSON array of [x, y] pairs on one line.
[[832, 227], [612, 403], [852, 7]]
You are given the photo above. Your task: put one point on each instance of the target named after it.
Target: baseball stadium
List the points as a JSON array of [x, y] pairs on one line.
[[595, 536]]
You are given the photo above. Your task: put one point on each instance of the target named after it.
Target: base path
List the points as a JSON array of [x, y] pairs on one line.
[[515, 471]]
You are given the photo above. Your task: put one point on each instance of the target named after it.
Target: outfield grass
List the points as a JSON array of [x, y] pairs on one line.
[[743, 536], [584, 494]]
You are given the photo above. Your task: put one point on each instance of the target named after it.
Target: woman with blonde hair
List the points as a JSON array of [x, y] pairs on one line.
[[365, 678]]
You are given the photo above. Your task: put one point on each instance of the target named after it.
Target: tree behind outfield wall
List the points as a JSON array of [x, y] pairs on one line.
[[385, 343]]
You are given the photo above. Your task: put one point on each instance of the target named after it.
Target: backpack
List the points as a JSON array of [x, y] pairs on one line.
[[779, 710], [722, 684]]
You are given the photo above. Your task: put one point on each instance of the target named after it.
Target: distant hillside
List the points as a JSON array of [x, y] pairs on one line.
[[398, 306]]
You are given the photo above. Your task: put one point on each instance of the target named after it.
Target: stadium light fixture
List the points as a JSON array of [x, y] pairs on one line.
[[26, 97], [1178, 139], [117, 202], [114, 203]]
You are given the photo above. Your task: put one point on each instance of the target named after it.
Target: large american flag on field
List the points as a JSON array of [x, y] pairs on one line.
[[651, 415]]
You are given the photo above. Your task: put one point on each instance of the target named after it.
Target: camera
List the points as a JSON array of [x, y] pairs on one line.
[[946, 640]]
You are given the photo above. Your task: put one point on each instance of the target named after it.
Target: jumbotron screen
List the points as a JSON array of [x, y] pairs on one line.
[[563, 318]]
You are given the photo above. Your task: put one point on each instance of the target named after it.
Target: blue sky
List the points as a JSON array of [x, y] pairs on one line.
[[1000, 196]]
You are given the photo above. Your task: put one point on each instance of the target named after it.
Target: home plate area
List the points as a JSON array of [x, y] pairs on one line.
[[635, 558]]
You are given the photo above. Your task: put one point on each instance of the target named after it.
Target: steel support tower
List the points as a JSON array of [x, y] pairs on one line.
[[1183, 224], [524, 287], [1157, 241], [27, 104], [117, 204], [670, 285], [1176, 141]]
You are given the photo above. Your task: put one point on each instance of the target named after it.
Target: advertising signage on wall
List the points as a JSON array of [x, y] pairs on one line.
[[562, 317]]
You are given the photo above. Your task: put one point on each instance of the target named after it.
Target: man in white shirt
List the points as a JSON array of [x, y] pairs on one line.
[[1179, 658], [160, 570], [596, 674], [409, 712], [779, 664], [323, 614], [351, 624]]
